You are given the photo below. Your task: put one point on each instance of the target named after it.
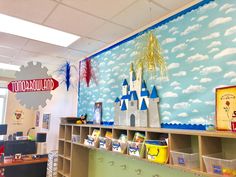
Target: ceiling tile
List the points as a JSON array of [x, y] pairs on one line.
[[139, 14], [102, 8], [72, 55], [73, 21], [173, 5], [11, 41], [109, 32], [44, 48], [8, 52], [32, 10], [87, 45]]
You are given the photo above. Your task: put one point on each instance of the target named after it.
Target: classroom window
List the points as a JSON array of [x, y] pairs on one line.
[[3, 102]]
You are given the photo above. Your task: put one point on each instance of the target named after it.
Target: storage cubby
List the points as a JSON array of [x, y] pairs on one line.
[[68, 133], [117, 132], [67, 152], [84, 132], [132, 132], [216, 147], [66, 167], [60, 165], [61, 147], [62, 132], [104, 130], [218, 155], [184, 150]]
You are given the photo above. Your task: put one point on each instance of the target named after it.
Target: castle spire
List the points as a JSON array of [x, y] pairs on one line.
[[143, 105], [154, 93], [123, 106]]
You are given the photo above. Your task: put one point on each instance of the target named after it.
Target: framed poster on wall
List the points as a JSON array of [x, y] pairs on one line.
[[46, 121], [225, 107]]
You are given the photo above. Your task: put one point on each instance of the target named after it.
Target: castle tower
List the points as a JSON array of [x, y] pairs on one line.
[[116, 111], [132, 77], [143, 115], [139, 78], [132, 115], [144, 94], [123, 115], [153, 110], [125, 88]]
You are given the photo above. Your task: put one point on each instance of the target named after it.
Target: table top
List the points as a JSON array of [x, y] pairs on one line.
[[24, 161]]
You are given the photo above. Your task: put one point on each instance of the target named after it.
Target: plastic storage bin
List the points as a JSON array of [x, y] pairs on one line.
[[157, 153], [91, 141], [119, 146], [220, 164], [105, 143], [186, 158], [136, 149]]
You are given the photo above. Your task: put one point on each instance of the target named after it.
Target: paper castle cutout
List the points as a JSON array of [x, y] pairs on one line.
[[136, 107]]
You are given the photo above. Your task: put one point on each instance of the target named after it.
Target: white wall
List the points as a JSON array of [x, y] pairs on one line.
[[62, 104]]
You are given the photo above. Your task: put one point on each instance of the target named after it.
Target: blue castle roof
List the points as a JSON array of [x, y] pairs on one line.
[[133, 95], [154, 93], [144, 84], [123, 106], [125, 83], [145, 93], [117, 100], [125, 97], [143, 105]]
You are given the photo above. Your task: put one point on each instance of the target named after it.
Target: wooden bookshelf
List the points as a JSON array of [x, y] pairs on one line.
[[75, 154]]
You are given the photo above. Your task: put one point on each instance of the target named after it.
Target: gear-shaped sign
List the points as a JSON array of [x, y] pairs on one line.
[[33, 85]]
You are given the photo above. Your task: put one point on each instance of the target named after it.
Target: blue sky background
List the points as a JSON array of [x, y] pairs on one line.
[[200, 51]]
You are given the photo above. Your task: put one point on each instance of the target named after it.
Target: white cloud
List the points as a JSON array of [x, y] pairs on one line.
[[180, 74], [194, 101], [195, 110], [175, 32], [197, 57], [163, 27], [210, 69], [175, 122], [177, 88], [226, 7], [181, 46], [181, 55], [166, 113], [165, 105], [233, 80], [230, 10], [211, 5], [197, 121], [230, 74], [214, 44], [134, 53], [231, 63], [193, 89], [211, 36], [191, 29], [182, 105], [121, 56], [178, 19], [110, 62], [205, 80], [175, 84], [192, 19], [166, 118], [110, 101], [102, 82], [195, 78], [210, 102], [230, 31], [214, 50], [197, 68], [170, 95], [168, 40], [192, 48], [111, 81], [173, 66], [192, 40], [183, 114], [173, 29], [166, 51], [234, 40], [202, 18], [225, 52], [219, 21]]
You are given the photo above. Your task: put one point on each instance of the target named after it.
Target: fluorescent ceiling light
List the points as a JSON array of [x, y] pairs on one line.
[[9, 67], [34, 31]]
